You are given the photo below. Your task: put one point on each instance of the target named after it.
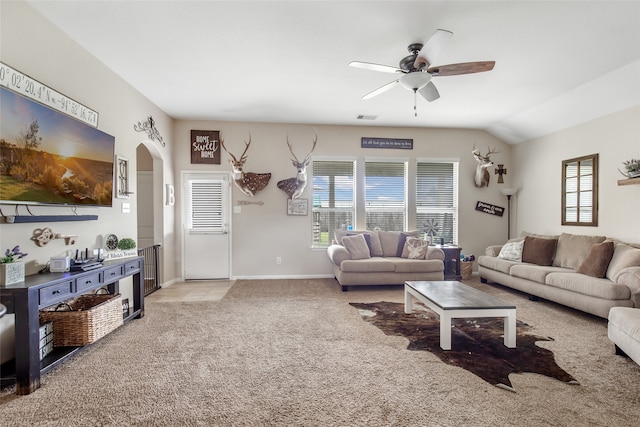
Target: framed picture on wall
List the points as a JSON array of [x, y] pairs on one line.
[[297, 206]]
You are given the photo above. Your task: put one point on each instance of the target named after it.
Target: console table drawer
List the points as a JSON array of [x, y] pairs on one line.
[[87, 283], [55, 293], [132, 266], [112, 274]]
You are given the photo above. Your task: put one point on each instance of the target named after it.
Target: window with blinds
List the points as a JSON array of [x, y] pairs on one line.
[[437, 200], [385, 195], [206, 206], [333, 198], [580, 191]]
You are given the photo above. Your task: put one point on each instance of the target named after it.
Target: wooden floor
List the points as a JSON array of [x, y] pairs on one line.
[[193, 291]]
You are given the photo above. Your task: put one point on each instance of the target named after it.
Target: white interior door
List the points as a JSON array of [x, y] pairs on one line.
[[206, 228]]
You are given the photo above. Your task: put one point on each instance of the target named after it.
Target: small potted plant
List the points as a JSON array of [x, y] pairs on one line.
[[126, 243], [632, 168], [12, 270]]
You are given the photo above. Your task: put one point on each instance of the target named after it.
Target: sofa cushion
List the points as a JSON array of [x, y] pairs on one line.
[[573, 249], [512, 251], [390, 241], [497, 264], [597, 261], [374, 239], [414, 248], [624, 256], [371, 265], [587, 285], [406, 265], [357, 246], [539, 251], [536, 273]]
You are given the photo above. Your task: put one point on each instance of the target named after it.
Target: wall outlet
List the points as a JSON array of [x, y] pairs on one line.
[[278, 260]]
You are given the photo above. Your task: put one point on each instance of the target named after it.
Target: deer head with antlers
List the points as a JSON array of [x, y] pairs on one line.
[[248, 182], [481, 178], [295, 186]]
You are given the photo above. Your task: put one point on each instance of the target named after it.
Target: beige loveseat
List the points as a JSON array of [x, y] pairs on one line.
[[588, 273], [376, 257]]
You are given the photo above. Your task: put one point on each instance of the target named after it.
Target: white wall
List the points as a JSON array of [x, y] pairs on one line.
[[32, 45], [261, 233], [538, 170]]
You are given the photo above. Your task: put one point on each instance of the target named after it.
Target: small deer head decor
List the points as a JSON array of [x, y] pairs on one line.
[[248, 182], [295, 186], [481, 178]]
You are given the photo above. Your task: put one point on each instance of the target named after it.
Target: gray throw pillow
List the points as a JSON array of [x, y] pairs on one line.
[[357, 246]]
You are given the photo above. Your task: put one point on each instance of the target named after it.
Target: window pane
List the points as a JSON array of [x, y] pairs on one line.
[[385, 190], [586, 197], [572, 185], [333, 199], [437, 200], [571, 215], [571, 200]]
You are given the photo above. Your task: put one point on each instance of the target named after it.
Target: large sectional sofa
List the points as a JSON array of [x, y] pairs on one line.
[[362, 258], [588, 273]]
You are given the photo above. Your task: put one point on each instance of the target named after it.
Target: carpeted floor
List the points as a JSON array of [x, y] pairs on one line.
[[295, 353]]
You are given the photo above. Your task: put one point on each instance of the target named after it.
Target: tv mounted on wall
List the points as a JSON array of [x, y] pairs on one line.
[[47, 157]]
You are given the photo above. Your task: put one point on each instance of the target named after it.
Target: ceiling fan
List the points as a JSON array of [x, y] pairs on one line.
[[417, 71]]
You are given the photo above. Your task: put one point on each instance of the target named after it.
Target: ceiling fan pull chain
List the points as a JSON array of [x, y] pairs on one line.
[[415, 102]]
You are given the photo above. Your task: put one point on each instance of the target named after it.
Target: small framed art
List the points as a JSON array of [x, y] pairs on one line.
[[297, 206]]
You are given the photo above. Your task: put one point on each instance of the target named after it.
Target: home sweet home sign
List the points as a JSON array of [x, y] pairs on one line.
[[205, 146]]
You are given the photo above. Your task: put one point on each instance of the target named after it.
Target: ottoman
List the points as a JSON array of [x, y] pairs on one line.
[[624, 331]]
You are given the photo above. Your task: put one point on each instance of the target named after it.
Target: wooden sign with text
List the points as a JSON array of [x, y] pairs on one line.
[[405, 144], [205, 146], [489, 208]]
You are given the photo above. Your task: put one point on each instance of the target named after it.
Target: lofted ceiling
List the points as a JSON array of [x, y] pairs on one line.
[[558, 63]]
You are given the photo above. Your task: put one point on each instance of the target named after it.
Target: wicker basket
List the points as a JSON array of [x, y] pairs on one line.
[[84, 320], [466, 269]]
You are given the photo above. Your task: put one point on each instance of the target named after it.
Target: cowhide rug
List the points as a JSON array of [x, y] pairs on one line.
[[477, 345]]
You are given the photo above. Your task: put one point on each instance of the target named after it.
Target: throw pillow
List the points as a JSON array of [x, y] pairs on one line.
[[415, 248], [597, 262], [539, 251], [573, 249], [512, 251], [357, 246], [367, 238], [624, 256]]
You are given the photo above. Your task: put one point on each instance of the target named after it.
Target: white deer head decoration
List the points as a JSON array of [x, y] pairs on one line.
[[248, 182], [295, 186], [481, 178]]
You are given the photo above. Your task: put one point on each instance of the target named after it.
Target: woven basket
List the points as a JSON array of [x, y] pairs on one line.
[[85, 320], [466, 269]]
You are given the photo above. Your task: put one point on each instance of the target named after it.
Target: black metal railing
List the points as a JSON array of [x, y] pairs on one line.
[[151, 268]]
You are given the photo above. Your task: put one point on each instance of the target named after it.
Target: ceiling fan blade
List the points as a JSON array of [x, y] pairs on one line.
[[429, 92], [432, 48], [381, 89], [375, 67], [462, 68]]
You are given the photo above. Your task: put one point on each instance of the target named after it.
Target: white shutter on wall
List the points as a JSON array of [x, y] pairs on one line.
[[206, 206]]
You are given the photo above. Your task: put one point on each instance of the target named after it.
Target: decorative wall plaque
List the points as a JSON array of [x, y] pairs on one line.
[[489, 208], [205, 146], [406, 144]]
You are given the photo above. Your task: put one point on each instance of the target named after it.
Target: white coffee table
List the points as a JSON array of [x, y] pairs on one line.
[[456, 300]]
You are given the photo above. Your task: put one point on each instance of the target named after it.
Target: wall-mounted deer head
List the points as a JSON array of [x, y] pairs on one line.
[[248, 182], [481, 178], [295, 186]]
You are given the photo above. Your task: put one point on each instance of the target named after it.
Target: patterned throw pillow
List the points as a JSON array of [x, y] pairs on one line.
[[512, 251], [414, 248]]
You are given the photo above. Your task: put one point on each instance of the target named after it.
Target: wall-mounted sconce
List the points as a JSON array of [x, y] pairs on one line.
[[149, 126]]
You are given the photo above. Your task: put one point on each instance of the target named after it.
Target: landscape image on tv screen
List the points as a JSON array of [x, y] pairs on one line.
[[50, 158]]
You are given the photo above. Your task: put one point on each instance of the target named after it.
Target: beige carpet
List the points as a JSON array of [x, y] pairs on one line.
[[295, 353]]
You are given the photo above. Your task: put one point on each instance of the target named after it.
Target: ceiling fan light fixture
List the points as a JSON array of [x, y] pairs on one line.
[[415, 81]]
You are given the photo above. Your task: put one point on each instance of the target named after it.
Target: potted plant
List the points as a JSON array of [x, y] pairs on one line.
[[632, 168], [12, 270], [126, 243]]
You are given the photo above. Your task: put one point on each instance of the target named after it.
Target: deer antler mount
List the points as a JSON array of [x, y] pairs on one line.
[[249, 183], [294, 187], [482, 176]]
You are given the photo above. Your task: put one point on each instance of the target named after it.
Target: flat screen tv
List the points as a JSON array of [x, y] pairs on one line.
[[47, 157]]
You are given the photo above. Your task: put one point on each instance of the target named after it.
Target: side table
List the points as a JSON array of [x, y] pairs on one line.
[[451, 262]]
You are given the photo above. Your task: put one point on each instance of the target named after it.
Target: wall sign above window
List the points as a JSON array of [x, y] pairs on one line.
[[367, 142], [205, 147], [33, 89]]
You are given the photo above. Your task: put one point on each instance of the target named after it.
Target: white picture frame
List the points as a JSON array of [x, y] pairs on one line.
[[297, 206]]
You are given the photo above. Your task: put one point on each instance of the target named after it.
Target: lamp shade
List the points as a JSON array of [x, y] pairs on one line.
[[509, 191]]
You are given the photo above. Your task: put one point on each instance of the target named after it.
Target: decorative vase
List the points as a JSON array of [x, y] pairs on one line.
[[11, 272]]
